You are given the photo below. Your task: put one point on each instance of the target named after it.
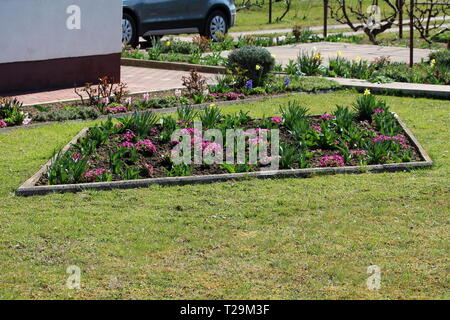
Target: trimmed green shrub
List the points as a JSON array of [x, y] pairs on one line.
[[256, 61], [69, 114]]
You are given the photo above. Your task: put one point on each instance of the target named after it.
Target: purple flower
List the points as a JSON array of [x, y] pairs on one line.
[[277, 120], [3, 124], [118, 109], [127, 144], [287, 81], [382, 138], [149, 168], [378, 110], [326, 117], [145, 145], [94, 175], [211, 147], [332, 161], [317, 128], [358, 153], [249, 84], [77, 157], [129, 135]]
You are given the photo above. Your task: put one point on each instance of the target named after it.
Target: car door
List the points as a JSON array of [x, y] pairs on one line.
[[163, 14], [197, 9]]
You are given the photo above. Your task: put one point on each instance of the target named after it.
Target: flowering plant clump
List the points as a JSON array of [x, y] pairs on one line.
[[277, 120], [114, 110], [228, 96], [249, 84], [327, 117], [127, 145], [382, 138], [145, 145], [129, 135], [3, 124], [360, 153], [97, 175], [332, 161]]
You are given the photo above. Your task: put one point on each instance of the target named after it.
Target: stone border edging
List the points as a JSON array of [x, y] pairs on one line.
[[29, 188]]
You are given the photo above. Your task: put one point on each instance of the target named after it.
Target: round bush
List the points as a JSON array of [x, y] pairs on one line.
[[256, 61]]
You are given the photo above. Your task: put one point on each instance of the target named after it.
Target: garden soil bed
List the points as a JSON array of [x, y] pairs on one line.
[[38, 184]]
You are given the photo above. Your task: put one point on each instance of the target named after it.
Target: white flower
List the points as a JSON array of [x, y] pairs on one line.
[[178, 93]]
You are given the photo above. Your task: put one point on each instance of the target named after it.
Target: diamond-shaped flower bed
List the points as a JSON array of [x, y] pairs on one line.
[[142, 150]]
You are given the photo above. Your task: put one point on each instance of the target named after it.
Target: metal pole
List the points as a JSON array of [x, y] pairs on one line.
[[411, 33], [270, 11], [400, 19], [325, 18]]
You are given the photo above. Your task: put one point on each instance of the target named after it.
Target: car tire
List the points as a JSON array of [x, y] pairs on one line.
[[217, 21], [130, 35]]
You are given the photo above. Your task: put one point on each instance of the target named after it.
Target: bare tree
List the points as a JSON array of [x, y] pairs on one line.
[[425, 14], [288, 4], [368, 18], [247, 4]]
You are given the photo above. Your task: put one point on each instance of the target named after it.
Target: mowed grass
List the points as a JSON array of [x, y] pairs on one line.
[[306, 13], [271, 239]]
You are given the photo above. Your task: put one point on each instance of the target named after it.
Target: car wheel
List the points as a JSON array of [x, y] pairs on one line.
[[216, 23], [129, 31]]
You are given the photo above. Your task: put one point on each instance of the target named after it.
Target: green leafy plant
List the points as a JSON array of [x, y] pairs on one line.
[[211, 116], [10, 111], [140, 123], [66, 169], [293, 113], [343, 117], [181, 170], [187, 114], [238, 168], [310, 63], [366, 104]]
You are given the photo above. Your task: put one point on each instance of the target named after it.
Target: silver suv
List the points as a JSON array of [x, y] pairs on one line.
[[155, 18]]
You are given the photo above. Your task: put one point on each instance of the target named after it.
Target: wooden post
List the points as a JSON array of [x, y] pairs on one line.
[[400, 18], [411, 33], [325, 18], [270, 11]]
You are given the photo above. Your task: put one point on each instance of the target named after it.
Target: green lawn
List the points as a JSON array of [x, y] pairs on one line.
[[281, 239], [303, 12]]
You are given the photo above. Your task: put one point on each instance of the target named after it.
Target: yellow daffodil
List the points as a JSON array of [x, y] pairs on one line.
[[317, 56], [433, 62], [212, 105], [358, 59], [339, 53], [168, 43], [258, 67], [367, 92]]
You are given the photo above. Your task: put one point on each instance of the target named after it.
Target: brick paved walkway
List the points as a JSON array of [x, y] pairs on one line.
[[138, 80]]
